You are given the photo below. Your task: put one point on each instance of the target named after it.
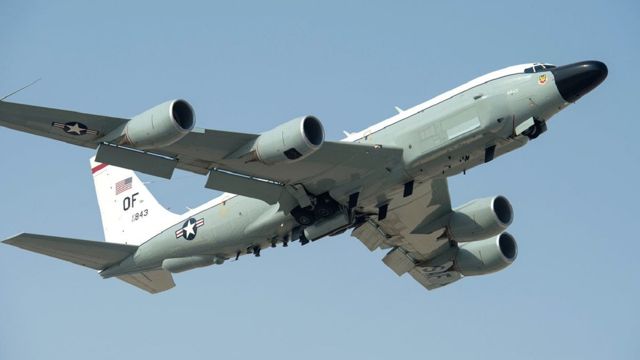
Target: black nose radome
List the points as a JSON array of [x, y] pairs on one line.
[[575, 80]]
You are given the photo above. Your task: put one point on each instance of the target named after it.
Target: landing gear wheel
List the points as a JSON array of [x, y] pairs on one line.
[[531, 132], [535, 130], [324, 210], [325, 206], [304, 217]]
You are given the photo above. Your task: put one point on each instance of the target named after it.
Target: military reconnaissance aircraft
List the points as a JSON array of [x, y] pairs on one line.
[[388, 182]]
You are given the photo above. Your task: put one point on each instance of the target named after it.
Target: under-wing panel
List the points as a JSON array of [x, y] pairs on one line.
[[420, 253]]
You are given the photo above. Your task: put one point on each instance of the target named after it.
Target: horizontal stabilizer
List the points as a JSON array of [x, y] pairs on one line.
[[97, 255], [153, 281]]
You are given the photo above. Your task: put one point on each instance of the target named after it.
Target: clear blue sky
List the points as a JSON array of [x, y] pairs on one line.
[[248, 66]]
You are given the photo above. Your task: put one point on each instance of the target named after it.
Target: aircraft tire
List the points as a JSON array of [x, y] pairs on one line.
[[304, 217]]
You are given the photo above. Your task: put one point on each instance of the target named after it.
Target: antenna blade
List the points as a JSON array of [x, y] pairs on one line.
[[22, 88]]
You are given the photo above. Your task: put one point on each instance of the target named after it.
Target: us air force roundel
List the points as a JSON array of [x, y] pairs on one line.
[[190, 228], [74, 128]]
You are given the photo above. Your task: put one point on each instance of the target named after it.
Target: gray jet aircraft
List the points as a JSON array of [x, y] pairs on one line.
[[387, 183]]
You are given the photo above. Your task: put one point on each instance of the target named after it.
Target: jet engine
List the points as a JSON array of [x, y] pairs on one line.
[[289, 142], [177, 265], [160, 126], [480, 219], [486, 256]]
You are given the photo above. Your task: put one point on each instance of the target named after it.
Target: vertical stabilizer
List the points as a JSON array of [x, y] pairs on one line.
[[130, 214]]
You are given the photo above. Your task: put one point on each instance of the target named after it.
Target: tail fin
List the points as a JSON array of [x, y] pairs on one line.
[[130, 214]]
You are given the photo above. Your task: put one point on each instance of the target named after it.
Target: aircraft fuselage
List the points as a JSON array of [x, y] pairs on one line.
[[450, 134]]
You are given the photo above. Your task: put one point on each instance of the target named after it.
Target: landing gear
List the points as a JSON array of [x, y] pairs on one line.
[[324, 217], [304, 217], [322, 206], [536, 129], [325, 206]]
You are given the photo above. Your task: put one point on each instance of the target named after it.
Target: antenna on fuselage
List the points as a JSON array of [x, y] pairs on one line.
[[22, 88]]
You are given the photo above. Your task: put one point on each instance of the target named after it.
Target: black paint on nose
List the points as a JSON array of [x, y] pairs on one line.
[[575, 80]]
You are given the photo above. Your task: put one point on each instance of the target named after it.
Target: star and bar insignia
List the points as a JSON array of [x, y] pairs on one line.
[[74, 128], [190, 228]]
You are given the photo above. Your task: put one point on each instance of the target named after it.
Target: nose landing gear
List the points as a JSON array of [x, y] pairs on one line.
[[536, 129]]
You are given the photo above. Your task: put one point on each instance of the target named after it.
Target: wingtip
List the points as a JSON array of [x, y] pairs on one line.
[[15, 240], [12, 240]]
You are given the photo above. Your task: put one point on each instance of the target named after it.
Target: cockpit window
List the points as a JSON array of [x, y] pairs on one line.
[[538, 68]]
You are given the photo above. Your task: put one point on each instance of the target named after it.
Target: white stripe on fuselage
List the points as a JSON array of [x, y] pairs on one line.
[[511, 70]]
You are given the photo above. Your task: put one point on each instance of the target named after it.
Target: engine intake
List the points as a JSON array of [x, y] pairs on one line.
[[160, 126], [480, 219], [289, 142], [486, 256]]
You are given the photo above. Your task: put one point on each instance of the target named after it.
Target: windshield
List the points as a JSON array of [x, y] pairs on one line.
[[538, 68]]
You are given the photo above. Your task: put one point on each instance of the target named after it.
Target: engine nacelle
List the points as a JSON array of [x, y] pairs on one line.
[[177, 265], [289, 142], [480, 219], [486, 256], [160, 126]]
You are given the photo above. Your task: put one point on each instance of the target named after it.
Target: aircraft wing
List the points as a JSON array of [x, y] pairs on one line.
[[340, 162], [414, 230], [204, 150], [68, 126]]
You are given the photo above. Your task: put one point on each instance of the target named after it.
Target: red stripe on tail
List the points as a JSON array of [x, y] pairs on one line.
[[97, 168]]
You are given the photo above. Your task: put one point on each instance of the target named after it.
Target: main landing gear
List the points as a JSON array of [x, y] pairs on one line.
[[322, 206]]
